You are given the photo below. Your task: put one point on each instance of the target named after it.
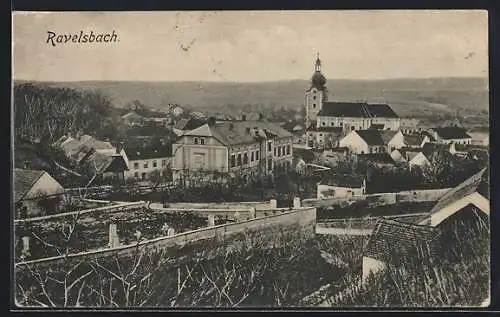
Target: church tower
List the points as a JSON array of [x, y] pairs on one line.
[[316, 94]]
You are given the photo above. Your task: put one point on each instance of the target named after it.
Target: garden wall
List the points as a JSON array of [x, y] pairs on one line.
[[303, 217], [381, 199], [258, 205]]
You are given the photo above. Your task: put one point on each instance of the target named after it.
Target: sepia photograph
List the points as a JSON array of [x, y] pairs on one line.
[[250, 159]]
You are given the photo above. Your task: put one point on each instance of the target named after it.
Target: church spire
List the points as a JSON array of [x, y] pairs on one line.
[[318, 63]]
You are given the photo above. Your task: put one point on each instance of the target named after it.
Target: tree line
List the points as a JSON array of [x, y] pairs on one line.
[[47, 113]]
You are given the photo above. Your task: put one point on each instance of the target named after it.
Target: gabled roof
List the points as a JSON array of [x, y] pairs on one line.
[[144, 153], [393, 241], [344, 109], [387, 135], [371, 137], [343, 180], [24, 180], [102, 163], [241, 132], [77, 148], [433, 147], [378, 158], [478, 182], [187, 124], [448, 133], [356, 109], [414, 139]]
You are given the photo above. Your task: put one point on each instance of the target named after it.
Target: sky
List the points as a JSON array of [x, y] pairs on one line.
[[252, 46]]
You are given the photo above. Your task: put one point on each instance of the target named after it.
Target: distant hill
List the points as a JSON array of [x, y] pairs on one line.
[[409, 97]]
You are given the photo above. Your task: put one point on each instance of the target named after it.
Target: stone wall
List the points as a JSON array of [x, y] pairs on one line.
[[303, 217]]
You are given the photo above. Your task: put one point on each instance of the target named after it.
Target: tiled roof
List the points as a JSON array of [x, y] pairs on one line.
[[371, 137], [24, 180], [356, 109], [392, 241], [143, 153], [414, 139], [387, 135], [448, 133], [478, 182], [432, 147], [380, 158], [78, 148], [102, 163], [243, 132], [187, 124], [343, 180]]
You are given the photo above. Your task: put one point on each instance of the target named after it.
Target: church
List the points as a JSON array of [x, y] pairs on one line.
[[328, 121]]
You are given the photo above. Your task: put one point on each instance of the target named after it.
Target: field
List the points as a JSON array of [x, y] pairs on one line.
[[422, 98], [51, 237]]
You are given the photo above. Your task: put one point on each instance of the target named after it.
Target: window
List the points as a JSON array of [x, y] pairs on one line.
[[143, 176], [314, 97], [279, 152], [202, 141], [154, 163], [352, 128], [164, 163], [275, 150], [238, 160], [233, 160], [269, 146], [288, 150], [314, 105], [146, 165], [332, 124], [136, 174], [195, 140], [245, 158], [252, 157], [323, 123], [270, 164], [321, 134], [136, 166], [257, 155]]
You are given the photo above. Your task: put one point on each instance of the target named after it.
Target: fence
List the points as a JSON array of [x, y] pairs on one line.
[[109, 209], [304, 217]]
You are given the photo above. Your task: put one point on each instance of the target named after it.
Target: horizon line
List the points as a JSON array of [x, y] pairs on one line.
[[247, 82]]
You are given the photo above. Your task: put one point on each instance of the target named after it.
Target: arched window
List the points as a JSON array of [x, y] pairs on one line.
[[314, 105], [245, 158]]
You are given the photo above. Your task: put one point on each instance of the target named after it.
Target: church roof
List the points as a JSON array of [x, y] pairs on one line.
[[356, 110]]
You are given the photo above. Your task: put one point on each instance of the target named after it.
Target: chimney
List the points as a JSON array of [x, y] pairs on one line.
[[243, 117], [261, 116], [68, 135]]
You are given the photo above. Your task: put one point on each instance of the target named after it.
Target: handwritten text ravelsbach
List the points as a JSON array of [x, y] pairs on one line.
[[54, 38]]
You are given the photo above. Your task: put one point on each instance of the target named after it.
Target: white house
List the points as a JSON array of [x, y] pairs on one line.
[[341, 186], [145, 161], [449, 135], [36, 193], [372, 141], [473, 191]]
